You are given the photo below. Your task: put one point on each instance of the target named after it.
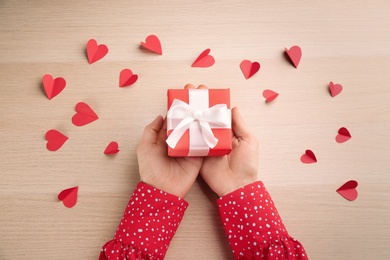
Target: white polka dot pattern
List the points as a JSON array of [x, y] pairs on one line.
[[148, 225], [254, 227]]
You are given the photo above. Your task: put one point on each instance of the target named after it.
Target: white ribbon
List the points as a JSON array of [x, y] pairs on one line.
[[216, 116]]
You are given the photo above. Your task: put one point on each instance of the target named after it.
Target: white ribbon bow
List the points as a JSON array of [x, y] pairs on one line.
[[216, 115]]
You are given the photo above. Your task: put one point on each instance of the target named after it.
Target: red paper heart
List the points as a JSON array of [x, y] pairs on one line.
[[348, 190], [111, 148], [335, 89], [343, 135], [53, 87], [294, 54], [95, 52], [153, 44], [127, 78], [69, 197], [204, 60], [84, 115], [249, 68], [269, 95], [308, 157], [55, 140]]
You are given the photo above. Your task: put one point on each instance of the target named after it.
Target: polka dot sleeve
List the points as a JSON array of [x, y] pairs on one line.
[[254, 227], [148, 225]]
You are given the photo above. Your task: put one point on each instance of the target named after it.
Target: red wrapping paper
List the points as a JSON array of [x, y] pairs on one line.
[[224, 135]]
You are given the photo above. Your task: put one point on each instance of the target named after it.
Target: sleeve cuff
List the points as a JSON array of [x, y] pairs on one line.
[[253, 225], [149, 223]]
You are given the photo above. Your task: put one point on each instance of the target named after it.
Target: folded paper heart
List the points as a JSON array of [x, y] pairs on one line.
[[69, 197], [269, 95], [55, 140], [308, 157], [84, 115], [204, 60], [343, 135], [95, 52], [249, 68], [348, 190], [335, 89], [294, 54], [52, 86], [153, 44], [127, 78], [112, 148]]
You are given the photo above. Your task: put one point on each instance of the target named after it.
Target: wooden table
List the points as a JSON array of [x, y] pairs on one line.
[[347, 42]]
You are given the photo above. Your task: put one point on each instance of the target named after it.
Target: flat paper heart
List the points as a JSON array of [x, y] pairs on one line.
[[53, 87], [343, 135], [249, 68], [69, 197], [95, 52], [308, 157], [294, 54], [84, 115], [111, 148], [204, 60], [127, 78], [335, 89], [269, 95], [348, 190], [55, 140], [153, 44]]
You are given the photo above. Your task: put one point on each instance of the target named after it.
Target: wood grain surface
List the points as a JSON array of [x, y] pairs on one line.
[[347, 42]]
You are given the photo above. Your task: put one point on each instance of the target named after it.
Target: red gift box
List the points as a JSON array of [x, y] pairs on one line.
[[199, 122]]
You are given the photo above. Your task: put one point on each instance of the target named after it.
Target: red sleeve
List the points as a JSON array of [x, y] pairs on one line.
[[147, 226], [254, 227]]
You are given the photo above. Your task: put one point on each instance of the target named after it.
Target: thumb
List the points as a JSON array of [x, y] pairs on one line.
[[151, 131], [240, 129]]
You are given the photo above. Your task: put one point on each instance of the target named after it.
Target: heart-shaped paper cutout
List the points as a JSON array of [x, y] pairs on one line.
[[335, 89], [294, 54], [348, 190], [308, 157], [69, 197], [343, 135], [204, 60], [153, 44], [112, 148], [127, 78], [52, 86], [95, 52], [84, 115], [269, 95], [55, 140], [249, 68]]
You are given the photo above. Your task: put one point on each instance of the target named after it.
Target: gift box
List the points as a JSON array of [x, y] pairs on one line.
[[199, 122]]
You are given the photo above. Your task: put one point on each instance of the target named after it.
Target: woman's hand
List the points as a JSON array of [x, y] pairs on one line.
[[225, 174], [174, 175]]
